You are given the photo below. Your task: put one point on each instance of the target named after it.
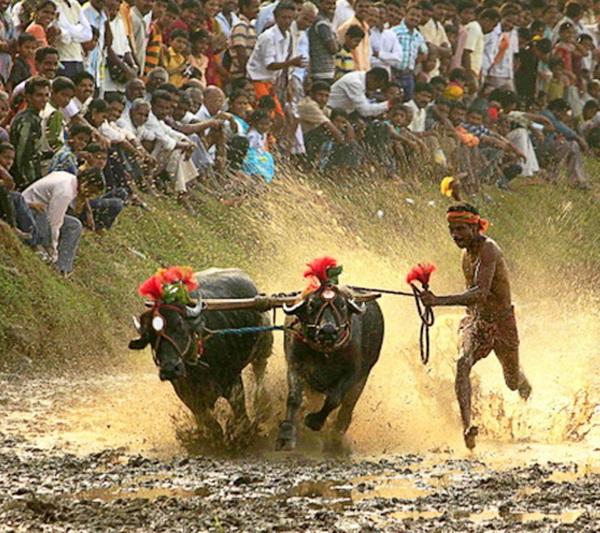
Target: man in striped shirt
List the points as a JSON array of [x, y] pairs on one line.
[[414, 50], [243, 38], [164, 14]]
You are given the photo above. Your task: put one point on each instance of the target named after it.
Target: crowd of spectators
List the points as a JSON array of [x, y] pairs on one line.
[[102, 100]]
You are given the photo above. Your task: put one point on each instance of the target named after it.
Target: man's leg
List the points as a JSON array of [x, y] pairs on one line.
[[475, 343], [68, 241], [106, 210]]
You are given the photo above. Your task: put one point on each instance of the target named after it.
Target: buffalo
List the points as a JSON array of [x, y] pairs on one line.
[[331, 346], [202, 366]]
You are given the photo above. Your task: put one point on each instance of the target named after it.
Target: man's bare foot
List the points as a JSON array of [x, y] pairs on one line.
[[469, 435], [524, 389]]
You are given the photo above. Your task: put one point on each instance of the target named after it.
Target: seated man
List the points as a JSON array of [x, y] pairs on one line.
[[568, 148], [320, 130]]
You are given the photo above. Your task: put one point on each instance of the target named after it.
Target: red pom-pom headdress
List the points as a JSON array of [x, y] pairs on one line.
[[421, 273], [321, 271], [174, 279]]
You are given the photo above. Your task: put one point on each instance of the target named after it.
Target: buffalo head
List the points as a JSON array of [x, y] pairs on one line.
[[325, 316], [171, 332]]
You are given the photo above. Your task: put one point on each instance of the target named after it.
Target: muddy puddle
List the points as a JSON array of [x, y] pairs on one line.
[[104, 453]]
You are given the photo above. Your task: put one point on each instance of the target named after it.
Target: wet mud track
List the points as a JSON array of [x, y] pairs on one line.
[[43, 490]]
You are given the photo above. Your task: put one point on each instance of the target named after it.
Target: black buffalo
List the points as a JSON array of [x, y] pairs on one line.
[[202, 369], [332, 347]]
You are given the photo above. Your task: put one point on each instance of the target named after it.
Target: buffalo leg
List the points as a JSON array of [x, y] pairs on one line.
[[286, 439], [237, 401], [315, 421], [206, 421], [344, 416]]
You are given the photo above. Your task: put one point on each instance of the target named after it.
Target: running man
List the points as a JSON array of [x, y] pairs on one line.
[[490, 321]]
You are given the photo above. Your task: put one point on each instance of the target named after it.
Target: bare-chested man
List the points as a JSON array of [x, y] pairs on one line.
[[490, 322]]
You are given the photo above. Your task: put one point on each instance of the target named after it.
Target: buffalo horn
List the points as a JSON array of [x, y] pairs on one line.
[[356, 307], [194, 312], [137, 325], [293, 309]]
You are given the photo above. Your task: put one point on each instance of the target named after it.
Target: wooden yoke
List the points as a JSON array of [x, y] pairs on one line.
[[262, 302]]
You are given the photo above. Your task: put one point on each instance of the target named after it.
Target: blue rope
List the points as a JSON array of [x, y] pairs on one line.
[[246, 330]]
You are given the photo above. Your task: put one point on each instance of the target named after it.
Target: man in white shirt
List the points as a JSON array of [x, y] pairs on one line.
[[96, 15], [349, 93], [422, 98], [344, 11], [500, 48], [172, 149], [271, 58], [56, 192], [434, 33], [389, 54], [76, 30], [227, 18]]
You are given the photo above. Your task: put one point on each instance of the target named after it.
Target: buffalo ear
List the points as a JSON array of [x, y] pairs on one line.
[[138, 344]]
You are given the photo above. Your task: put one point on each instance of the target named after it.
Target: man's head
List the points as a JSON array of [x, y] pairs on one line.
[[377, 79], [590, 109], [475, 116], [7, 155], [97, 112], [144, 6], [116, 105], [37, 93], [395, 12], [27, 44], [63, 90], [190, 11], [161, 104], [412, 17], [426, 11], [285, 13], [327, 8], [458, 113], [466, 11], [354, 35], [96, 156], [560, 108], [423, 94], [84, 86], [488, 19], [46, 62], [139, 112], [112, 8], [212, 8], [248, 8], [440, 10], [574, 11], [509, 17], [196, 97], [593, 89], [362, 9], [214, 99], [319, 92], [156, 78], [135, 89], [165, 17], [306, 17], [79, 137], [465, 225]]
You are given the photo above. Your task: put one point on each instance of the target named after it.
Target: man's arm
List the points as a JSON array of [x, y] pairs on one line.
[[481, 284]]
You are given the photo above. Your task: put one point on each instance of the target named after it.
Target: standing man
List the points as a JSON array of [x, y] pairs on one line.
[[434, 33], [75, 31], [490, 323], [323, 44], [243, 38], [141, 19], [362, 53], [414, 50]]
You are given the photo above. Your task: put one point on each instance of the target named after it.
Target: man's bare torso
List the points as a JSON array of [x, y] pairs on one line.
[[492, 274]]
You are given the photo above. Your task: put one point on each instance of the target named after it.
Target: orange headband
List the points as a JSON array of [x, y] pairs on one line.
[[466, 217]]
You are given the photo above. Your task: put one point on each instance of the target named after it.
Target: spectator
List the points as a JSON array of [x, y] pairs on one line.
[[499, 53], [434, 34], [24, 64], [120, 64], [97, 18], [141, 19], [414, 50], [344, 59], [269, 64], [198, 59], [349, 93], [361, 54], [323, 43], [175, 60], [227, 18], [243, 38], [75, 30], [44, 27], [26, 133], [259, 161], [66, 158], [164, 14]]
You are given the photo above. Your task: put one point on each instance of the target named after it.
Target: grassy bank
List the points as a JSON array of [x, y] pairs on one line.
[[547, 231]]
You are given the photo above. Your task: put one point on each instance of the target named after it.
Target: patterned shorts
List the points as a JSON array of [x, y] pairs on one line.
[[479, 336]]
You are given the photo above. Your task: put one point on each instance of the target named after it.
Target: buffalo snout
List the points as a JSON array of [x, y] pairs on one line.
[[328, 332], [171, 371]]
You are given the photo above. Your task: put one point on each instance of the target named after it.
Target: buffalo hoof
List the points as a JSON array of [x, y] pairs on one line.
[[286, 439], [314, 421]]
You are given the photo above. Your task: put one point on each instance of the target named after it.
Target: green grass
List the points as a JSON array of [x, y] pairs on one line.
[[47, 321]]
